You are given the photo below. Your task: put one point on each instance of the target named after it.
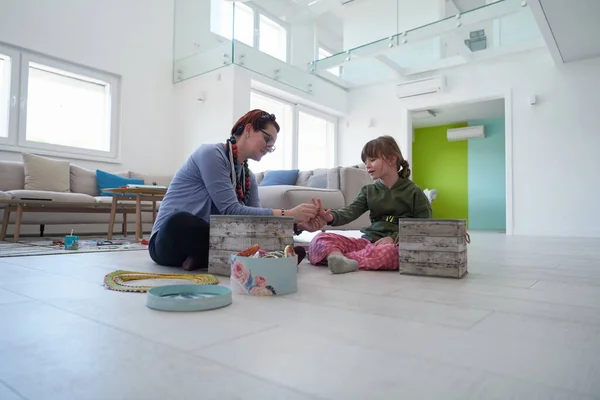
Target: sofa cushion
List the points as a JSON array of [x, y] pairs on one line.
[[49, 195], [317, 181], [352, 180], [331, 198], [42, 173], [83, 180], [106, 180], [280, 177], [289, 196], [333, 176], [259, 177], [303, 177], [161, 180], [12, 175]]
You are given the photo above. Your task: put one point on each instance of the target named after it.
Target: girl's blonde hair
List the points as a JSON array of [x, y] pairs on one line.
[[385, 147]]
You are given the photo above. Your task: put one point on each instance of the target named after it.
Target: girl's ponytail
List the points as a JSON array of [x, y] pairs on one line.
[[404, 170]]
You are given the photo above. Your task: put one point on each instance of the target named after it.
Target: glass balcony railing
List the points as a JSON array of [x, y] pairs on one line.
[[274, 38], [495, 29], [349, 43]]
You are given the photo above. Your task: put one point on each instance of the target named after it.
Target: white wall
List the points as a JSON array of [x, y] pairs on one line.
[[555, 142], [332, 40], [203, 121], [307, 38], [133, 39]]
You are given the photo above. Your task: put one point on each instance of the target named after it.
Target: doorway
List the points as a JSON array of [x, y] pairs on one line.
[[458, 156]]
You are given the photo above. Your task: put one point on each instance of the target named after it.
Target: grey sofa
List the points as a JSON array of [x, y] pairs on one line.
[[342, 184], [83, 189]]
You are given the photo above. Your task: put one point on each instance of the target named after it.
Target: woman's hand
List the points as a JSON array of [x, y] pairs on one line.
[[304, 212], [385, 240]]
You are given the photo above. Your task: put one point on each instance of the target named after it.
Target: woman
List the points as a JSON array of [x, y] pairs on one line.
[[215, 180]]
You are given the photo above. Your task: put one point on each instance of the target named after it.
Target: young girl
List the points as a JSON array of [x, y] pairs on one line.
[[391, 197]]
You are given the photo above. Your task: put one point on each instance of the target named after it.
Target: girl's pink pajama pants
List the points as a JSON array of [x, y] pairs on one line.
[[368, 255]]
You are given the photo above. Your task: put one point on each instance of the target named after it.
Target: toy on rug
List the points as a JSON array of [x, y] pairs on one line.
[[71, 242], [117, 280]]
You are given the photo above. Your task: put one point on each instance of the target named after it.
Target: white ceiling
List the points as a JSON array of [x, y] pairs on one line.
[[575, 26], [462, 113]]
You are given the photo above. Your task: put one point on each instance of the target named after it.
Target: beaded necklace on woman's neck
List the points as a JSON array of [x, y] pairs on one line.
[[242, 192]]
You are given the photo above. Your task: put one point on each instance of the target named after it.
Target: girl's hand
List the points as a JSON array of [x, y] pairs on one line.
[[313, 225], [325, 214], [383, 241]]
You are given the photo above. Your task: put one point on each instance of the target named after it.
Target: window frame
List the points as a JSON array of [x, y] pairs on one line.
[[254, 22], [19, 98], [13, 96], [296, 109], [293, 110], [319, 114], [257, 12]]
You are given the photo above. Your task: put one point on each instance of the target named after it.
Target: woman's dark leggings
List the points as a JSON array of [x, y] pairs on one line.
[[181, 236], [185, 235]]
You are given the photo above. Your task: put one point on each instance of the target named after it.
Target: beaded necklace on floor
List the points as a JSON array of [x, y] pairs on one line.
[[242, 192]]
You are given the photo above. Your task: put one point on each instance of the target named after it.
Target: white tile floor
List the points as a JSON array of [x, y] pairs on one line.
[[524, 324]]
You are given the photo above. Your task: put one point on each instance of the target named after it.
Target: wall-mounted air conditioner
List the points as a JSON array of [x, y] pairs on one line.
[[420, 87], [470, 132]]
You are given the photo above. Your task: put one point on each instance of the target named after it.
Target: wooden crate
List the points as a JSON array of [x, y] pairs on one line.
[[232, 233], [433, 247]]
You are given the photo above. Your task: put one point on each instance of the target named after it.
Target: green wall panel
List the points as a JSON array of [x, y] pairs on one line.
[[443, 165]]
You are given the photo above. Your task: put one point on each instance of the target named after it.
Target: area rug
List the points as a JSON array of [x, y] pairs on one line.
[[37, 246]]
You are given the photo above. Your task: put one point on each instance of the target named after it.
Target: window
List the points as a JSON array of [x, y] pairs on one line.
[[4, 94], [64, 108], [316, 136], [226, 12], [67, 110], [322, 53], [281, 158], [306, 140], [252, 27], [243, 29], [273, 38]]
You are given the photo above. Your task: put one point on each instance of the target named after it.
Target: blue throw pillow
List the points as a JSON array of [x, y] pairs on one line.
[[281, 177], [107, 180]]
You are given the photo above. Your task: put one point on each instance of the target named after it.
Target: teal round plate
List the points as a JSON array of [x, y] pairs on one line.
[[188, 297]]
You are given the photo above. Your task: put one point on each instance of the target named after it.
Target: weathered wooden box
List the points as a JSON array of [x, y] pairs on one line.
[[230, 234], [433, 247]]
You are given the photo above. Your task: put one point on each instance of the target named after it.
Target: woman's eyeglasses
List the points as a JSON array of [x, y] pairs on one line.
[[269, 139]]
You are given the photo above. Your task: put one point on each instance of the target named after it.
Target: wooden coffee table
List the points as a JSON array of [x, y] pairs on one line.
[[141, 194], [21, 206]]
